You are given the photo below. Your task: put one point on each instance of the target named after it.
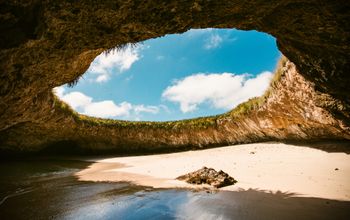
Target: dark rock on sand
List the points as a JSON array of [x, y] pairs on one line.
[[208, 176]]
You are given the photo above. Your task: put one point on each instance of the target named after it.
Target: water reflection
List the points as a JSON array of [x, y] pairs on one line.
[[140, 205], [48, 190]]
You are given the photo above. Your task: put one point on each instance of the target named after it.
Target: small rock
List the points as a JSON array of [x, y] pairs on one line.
[[336, 169], [252, 152], [208, 176]]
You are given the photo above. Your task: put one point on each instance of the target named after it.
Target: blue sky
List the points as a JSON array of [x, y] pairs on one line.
[[198, 73]]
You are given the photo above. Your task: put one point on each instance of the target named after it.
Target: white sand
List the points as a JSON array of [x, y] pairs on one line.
[[273, 167]]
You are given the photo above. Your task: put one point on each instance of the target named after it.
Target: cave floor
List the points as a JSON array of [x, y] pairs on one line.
[[275, 181]]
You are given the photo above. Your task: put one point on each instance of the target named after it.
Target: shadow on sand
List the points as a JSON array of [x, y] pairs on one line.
[[330, 146], [48, 189], [258, 204]]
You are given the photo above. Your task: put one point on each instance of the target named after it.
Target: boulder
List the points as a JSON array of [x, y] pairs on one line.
[[208, 176]]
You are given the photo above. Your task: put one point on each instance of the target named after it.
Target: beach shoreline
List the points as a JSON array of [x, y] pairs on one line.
[[273, 167]]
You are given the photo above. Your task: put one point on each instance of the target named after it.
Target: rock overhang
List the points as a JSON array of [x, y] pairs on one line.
[[59, 41]]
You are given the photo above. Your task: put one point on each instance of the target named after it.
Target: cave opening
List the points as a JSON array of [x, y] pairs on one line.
[[307, 104], [201, 72]]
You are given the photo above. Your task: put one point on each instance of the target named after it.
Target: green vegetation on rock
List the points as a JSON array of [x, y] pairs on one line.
[[195, 123]]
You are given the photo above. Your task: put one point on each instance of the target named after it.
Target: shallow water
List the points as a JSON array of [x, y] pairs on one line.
[[47, 189]]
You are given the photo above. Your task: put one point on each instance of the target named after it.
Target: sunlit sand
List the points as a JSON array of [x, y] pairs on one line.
[[301, 171]]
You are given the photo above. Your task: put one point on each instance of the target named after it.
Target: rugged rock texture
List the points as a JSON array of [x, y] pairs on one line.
[[44, 44], [208, 176], [288, 111]]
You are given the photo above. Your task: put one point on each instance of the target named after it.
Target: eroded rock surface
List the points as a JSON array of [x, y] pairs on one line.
[[208, 176], [44, 44]]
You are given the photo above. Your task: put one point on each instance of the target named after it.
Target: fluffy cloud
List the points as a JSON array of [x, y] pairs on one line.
[[213, 42], [104, 109], [222, 91], [76, 99], [116, 61], [107, 108], [149, 109]]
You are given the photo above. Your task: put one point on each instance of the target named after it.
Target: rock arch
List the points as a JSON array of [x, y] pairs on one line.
[[46, 43]]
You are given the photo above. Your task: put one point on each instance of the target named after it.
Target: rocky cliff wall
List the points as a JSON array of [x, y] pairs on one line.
[[46, 43], [288, 111]]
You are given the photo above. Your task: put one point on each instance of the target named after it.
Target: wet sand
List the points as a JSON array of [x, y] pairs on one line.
[[298, 171], [48, 188]]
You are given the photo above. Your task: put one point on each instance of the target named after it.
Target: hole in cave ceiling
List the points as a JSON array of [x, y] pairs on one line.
[[201, 72]]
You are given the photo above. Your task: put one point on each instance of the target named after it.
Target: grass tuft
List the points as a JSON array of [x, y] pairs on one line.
[[121, 47]]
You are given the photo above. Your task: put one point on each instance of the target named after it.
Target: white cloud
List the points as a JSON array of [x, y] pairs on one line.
[[76, 99], [103, 78], [104, 109], [85, 104], [213, 42], [149, 109], [107, 109], [117, 61], [222, 91]]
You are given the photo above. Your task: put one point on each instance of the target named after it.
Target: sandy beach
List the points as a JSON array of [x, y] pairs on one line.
[[272, 167]]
